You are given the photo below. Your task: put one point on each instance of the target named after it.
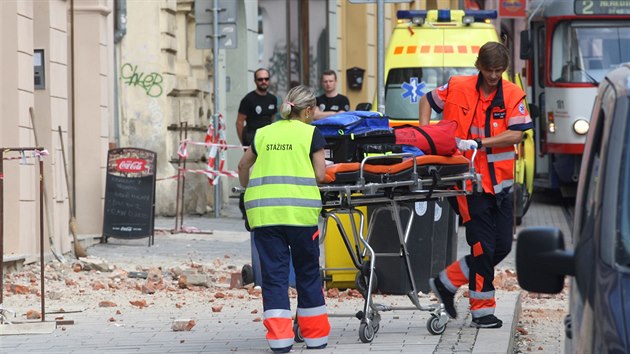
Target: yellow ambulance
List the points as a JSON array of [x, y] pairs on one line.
[[425, 49]]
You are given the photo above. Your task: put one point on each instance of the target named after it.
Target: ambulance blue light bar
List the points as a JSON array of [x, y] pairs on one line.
[[478, 15], [409, 14], [481, 15], [444, 15]]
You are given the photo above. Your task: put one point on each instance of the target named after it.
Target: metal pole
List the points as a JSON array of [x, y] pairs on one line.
[[380, 79], [41, 237], [183, 176], [215, 84]]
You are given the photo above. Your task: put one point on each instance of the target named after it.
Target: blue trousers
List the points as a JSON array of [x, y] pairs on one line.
[[256, 265], [273, 244]]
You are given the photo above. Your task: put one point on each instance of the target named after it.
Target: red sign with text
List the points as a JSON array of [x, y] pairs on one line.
[[130, 165], [512, 8]]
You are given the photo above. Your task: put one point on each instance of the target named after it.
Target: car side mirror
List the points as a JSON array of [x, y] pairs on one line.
[[364, 106], [541, 260]]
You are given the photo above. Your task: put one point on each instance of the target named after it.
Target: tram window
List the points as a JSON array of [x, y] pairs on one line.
[[584, 53]]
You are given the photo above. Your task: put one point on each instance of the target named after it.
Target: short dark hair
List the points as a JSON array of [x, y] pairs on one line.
[[260, 69], [493, 55], [328, 72]]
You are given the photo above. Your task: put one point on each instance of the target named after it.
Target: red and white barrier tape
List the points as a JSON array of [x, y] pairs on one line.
[[217, 146], [23, 156]]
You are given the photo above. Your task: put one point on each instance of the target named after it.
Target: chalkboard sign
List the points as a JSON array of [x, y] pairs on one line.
[[129, 194]]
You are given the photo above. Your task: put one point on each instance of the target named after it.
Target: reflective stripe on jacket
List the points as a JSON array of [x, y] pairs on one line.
[[282, 189]]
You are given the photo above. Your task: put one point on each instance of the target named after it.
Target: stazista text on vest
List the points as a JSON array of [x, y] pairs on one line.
[[279, 147]]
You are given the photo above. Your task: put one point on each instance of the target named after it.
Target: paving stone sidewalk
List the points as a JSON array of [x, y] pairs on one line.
[[234, 329]]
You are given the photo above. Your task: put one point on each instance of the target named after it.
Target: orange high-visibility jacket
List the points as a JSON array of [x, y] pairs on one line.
[[460, 99]]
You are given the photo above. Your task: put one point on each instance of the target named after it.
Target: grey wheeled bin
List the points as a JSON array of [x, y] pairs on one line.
[[431, 243]]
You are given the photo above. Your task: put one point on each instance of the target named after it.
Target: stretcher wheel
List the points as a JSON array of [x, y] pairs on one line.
[[433, 325], [363, 278], [247, 274], [298, 334], [376, 327], [366, 333]]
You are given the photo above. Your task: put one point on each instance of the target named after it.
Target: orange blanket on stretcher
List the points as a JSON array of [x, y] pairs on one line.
[[349, 172]]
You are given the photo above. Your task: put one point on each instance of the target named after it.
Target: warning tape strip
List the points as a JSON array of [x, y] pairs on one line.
[[23, 156]]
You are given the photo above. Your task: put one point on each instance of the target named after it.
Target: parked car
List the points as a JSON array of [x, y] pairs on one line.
[[599, 262]]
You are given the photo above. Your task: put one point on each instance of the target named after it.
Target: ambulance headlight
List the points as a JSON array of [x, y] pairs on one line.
[[418, 21], [581, 126], [467, 20]]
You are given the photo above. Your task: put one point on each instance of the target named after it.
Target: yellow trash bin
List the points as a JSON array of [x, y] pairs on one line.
[[339, 270]]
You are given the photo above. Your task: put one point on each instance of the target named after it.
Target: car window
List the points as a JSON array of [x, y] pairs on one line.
[[623, 244], [589, 174]]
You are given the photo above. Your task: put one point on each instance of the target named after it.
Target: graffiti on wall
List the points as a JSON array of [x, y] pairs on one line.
[[151, 83], [283, 80]]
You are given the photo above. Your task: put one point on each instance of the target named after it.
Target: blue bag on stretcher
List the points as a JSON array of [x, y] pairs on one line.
[[352, 122]]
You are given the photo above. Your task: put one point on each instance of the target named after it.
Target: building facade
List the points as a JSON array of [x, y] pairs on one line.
[[128, 73]]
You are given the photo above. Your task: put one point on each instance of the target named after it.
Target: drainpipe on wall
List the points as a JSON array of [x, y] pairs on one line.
[[72, 109], [120, 29]]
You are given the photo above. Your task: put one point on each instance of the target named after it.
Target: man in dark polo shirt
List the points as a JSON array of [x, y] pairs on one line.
[[331, 102], [257, 108]]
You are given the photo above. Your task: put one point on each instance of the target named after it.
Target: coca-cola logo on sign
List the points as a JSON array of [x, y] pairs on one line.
[[130, 165]]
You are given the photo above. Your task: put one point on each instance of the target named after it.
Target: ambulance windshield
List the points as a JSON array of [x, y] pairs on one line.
[[405, 87]]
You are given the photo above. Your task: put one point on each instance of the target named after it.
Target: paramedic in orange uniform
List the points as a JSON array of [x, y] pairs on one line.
[[491, 116]]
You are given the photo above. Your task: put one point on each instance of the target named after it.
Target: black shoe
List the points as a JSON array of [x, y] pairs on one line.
[[282, 350], [489, 321], [318, 347], [444, 295]]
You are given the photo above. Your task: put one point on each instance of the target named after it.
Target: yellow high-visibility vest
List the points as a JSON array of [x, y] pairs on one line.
[[282, 189]]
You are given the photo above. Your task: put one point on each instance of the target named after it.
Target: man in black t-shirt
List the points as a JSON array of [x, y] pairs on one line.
[[257, 108], [331, 102]]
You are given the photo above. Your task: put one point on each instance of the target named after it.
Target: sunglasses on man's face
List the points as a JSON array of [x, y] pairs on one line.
[[261, 79]]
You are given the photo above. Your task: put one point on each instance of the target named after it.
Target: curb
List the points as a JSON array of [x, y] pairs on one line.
[[501, 340]]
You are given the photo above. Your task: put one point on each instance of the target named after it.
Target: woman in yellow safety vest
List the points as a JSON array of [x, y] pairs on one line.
[[283, 203]]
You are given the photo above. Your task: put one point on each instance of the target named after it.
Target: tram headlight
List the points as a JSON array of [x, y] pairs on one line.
[[551, 125], [581, 126]]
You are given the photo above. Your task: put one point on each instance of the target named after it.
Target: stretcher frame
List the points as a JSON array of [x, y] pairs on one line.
[[343, 199]]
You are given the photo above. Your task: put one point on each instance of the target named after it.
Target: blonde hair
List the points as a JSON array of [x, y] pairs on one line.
[[298, 99]]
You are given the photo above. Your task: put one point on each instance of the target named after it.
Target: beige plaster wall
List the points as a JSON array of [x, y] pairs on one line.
[[25, 26], [28, 25], [93, 110], [163, 82]]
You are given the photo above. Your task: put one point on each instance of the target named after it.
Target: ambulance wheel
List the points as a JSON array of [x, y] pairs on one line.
[[433, 325], [298, 334], [523, 201], [366, 333], [247, 274]]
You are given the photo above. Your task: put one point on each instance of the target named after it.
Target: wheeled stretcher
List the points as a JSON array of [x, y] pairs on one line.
[[386, 182]]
